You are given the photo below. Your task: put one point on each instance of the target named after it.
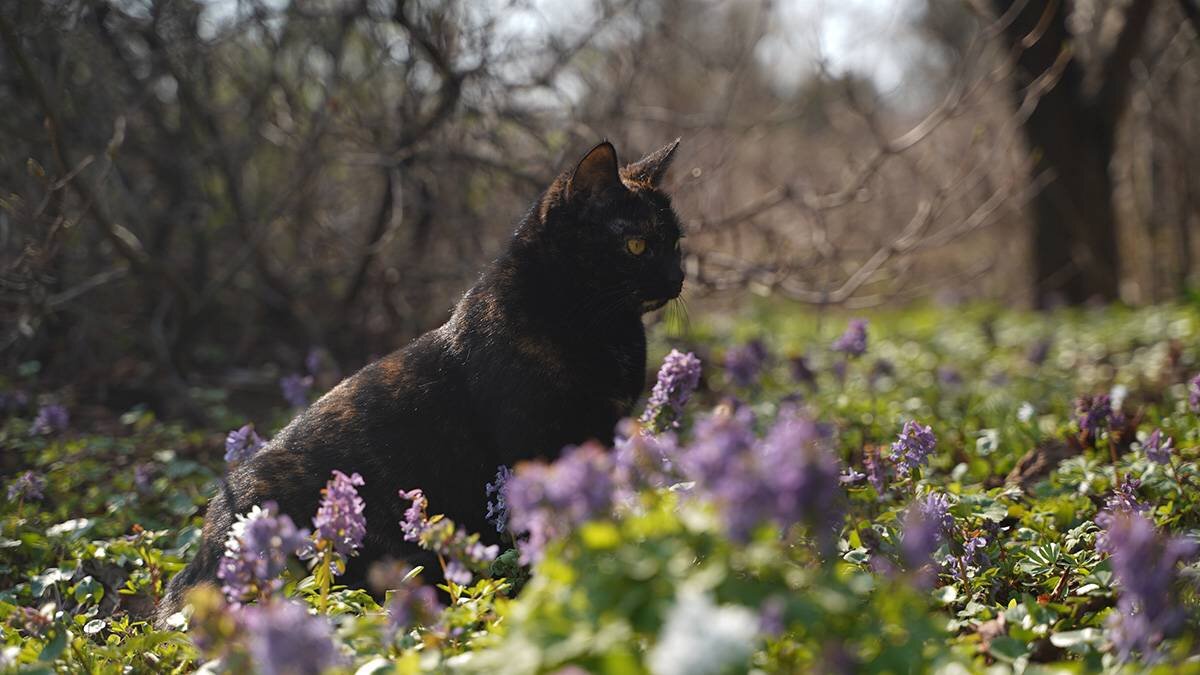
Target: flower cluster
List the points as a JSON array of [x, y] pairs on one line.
[[1094, 413], [677, 379], [241, 444], [340, 520], [1158, 448], [744, 362], [463, 553], [51, 419], [1122, 501], [853, 342], [285, 639], [789, 476], [913, 447], [295, 388], [1144, 563], [548, 500], [1194, 393], [28, 486], [256, 553], [497, 507]]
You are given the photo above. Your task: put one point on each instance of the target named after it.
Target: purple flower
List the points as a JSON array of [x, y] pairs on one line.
[[920, 537], [1194, 393], [1144, 563], [143, 473], [935, 508], [949, 376], [256, 553], [13, 400], [1094, 412], [497, 508], [876, 470], [26, 487], [1038, 351], [1122, 501], [789, 476], [1158, 448], [340, 520], [677, 379], [913, 447], [853, 342], [744, 362], [415, 521], [241, 444], [50, 419], [284, 639], [801, 372], [546, 501], [295, 389], [851, 476], [412, 603], [440, 535]]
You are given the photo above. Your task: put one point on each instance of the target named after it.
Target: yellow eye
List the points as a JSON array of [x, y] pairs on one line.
[[636, 245]]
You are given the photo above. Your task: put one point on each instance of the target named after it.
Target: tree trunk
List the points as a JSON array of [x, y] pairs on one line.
[[1071, 134]]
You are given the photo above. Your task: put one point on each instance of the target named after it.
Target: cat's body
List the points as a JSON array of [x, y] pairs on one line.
[[547, 349]]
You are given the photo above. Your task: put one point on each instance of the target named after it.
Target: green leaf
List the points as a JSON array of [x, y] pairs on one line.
[[1007, 649], [55, 647]]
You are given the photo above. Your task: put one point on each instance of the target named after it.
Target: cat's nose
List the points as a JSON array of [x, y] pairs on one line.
[[675, 279]]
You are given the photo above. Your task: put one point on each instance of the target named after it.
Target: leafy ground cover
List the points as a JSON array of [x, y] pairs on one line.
[[934, 490]]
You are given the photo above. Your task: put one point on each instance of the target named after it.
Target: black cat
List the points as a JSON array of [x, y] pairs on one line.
[[547, 349]]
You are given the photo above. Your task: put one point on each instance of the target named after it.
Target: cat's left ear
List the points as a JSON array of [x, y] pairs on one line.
[[653, 167]]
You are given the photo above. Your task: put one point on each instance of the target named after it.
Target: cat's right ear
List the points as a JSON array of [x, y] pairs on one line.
[[596, 173]]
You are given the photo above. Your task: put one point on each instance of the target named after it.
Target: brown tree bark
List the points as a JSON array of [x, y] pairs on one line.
[[1072, 133]]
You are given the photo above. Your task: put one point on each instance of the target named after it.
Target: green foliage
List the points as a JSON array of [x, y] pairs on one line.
[[82, 568]]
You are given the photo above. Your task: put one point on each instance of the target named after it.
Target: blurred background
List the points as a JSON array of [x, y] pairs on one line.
[[217, 193]]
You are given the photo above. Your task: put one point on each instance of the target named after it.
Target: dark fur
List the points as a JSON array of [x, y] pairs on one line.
[[546, 350]]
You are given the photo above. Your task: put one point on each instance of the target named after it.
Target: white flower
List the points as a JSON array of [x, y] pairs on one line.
[[701, 638], [1025, 412]]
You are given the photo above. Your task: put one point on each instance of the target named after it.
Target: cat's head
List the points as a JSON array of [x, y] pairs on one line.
[[616, 229]]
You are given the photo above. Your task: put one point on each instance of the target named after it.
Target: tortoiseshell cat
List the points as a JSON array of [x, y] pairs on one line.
[[547, 349]]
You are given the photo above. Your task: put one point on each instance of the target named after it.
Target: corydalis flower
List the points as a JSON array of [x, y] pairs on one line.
[[497, 508], [876, 471], [913, 447], [854, 341], [1194, 393], [50, 419], [241, 444], [789, 476], [1144, 563], [284, 639], [935, 507], [26, 487], [546, 501], [1122, 501], [801, 372], [1158, 448], [340, 520], [677, 379], [295, 389], [462, 552], [744, 362], [256, 553], [1094, 413]]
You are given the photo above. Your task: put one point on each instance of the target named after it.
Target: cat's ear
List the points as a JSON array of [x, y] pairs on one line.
[[596, 173], [653, 167]]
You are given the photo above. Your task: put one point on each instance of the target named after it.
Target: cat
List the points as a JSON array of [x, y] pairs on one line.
[[547, 349]]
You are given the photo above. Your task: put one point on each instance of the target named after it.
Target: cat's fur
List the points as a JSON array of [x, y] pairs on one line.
[[547, 349]]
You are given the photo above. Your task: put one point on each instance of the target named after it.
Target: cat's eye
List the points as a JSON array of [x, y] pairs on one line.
[[635, 245], [676, 244]]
